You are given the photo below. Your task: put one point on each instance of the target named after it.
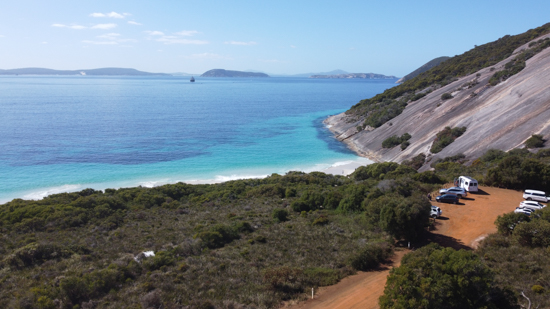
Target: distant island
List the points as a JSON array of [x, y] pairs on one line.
[[101, 71], [227, 73], [355, 75]]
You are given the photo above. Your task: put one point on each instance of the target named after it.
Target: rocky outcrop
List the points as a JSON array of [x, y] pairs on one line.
[[500, 117]]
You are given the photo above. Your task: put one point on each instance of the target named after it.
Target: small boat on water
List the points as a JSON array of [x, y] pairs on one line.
[[192, 79]]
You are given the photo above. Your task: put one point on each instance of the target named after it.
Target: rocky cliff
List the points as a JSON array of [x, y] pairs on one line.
[[500, 117]]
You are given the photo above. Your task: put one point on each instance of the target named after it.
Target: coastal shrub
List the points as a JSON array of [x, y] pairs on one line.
[[370, 256], [217, 236], [428, 177], [535, 141], [280, 215], [418, 96], [507, 222], [492, 155], [319, 276], [161, 258], [457, 279], [535, 233], [416, 162], [459, 158], [309, 200], [353, 197], [446, 137], [446, 96], [374, 171], [393, 141], [405, 218], [284, 278], [404, 145], [321, 220]]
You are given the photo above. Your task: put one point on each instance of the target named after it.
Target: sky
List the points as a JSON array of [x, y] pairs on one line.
[[276, 37]]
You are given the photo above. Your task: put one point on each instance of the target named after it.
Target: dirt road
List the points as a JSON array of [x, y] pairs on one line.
[[461, 226]]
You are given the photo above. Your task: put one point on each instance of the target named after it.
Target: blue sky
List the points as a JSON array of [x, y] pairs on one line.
[[279, 37]]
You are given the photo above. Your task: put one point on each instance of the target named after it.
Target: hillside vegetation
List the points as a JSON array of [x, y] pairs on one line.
[[387, 105], [241, 244]]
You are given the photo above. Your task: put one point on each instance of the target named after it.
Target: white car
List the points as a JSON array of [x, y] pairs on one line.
[[459, 192], [531, 205], [534, 195], [525, 211], [436, 212]]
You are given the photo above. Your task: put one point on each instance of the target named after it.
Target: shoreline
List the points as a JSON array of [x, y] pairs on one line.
[[342, 168], [350, 145]]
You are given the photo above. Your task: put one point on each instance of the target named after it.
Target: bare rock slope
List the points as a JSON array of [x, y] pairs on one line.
[[501, 117]]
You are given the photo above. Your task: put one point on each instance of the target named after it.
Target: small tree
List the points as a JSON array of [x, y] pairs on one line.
[[535, 141], [446, 96]]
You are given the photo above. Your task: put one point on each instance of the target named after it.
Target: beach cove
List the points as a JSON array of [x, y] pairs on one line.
[[63, 134]]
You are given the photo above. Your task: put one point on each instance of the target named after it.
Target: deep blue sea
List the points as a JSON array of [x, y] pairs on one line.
[[61, 134]]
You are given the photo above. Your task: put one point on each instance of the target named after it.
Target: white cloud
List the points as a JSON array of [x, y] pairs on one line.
[[187, 33], [111, 15], [175, 40], [2, 36], [100, 42], [292, 46], [154, 32], [131, 22], [209, 56], [104, 26], [44, 42], [241, 43], [109, 36], [77, 27]]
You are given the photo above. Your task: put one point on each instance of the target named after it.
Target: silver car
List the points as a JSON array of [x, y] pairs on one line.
[[459, 192], [531, 205]]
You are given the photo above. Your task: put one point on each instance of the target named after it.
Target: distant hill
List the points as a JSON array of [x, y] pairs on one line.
[[102, 71], [355, 75], [228, 73], [432, 63], [334, 72]]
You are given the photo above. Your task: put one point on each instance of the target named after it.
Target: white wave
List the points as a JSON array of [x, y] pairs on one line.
[[38, 195]]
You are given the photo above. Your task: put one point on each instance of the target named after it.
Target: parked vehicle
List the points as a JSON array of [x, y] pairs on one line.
[[467, 183], [447, 198], [436, 212], [535, 195], [459, 192], [525, 211], [532, 205]]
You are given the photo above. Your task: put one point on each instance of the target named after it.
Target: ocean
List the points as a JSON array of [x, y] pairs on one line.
[[68, 133]]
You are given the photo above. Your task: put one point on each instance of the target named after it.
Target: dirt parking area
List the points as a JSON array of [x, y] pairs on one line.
[[461, 226]]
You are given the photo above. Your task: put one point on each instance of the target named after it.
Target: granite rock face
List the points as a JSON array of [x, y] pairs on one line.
[[501, 117]]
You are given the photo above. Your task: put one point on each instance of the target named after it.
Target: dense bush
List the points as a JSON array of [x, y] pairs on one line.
[[370, 256], [416, 162], [446, 96], [446, 137], [393, 141], [280, 215], [535, 141], [435, 277]]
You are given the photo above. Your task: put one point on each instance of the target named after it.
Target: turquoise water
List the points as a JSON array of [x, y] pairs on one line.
[[69, 133]]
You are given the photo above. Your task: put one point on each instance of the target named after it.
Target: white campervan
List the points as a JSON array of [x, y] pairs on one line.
[[467, 183]]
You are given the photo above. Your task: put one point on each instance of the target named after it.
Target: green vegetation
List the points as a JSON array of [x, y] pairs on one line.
[[394, 140], [519, 254], [446, 137], [416, 162], [535, 141], [257, 242], [435, 277], [446, 96], [389, 104]]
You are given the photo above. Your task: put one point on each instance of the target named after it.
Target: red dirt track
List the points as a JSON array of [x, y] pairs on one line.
[[461, 226]]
